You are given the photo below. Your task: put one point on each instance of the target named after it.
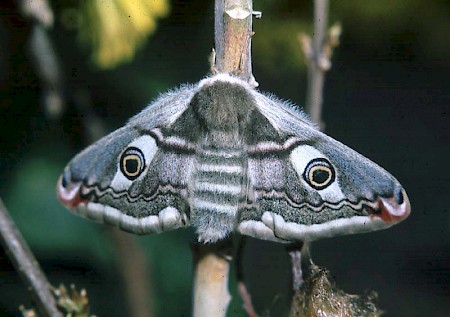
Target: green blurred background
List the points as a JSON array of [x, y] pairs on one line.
[[387, 96]]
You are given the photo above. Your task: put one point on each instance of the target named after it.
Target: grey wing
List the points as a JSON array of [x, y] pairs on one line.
[[308, 186], [131, 178]]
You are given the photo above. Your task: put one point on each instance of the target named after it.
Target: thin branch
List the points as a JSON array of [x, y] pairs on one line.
[[295, 253], [301, 264], [314, 292], [247, 299], [314, 51], [26, 265], [318, 52], [316, 74]]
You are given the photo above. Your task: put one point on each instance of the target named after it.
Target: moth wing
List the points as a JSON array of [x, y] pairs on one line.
[[129, 178], [309, 186]]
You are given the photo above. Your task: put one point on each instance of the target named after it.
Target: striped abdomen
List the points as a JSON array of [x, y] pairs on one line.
[[216, 191]]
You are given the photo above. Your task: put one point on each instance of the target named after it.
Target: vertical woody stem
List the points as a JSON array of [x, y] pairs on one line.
[[212, 267], [233, 32]]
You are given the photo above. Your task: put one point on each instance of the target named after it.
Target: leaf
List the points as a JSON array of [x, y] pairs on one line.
[[116, 29]]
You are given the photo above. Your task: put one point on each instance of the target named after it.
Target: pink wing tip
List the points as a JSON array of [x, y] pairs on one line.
[[69, 195], [394, 209]]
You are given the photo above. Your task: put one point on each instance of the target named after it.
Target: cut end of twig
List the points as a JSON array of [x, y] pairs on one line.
[[320, 297], [238, 13]]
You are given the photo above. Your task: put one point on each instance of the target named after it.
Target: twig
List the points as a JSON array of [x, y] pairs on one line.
[[315, 294], [247, 299], [316, 73], [318, 52], [301, 263], [26, 264], [315, 56], [295, 253], [232, 54]]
